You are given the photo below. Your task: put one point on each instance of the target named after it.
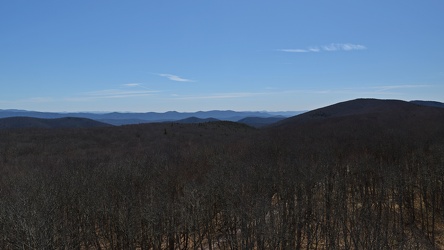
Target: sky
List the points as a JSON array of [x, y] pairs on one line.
[[191, 55]]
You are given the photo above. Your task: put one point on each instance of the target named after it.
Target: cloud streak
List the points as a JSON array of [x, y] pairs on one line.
[[132, 85], [127, 90], [175, 78], [218, 96], [405, 86], [119, 93], [358, 91], [327, 48], [135, 85], [34, 100]]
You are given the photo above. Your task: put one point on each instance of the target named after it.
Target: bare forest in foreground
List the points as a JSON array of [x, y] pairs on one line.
[[364, 180]]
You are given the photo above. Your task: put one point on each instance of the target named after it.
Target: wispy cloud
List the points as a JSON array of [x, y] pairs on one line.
[[328, 48], [34, 100], [119, 93], [175, 78], [230, 95], [403, 86], [135, 85], [343, 46], [132, 85], [126, 90], [294, 50], [39, 100]]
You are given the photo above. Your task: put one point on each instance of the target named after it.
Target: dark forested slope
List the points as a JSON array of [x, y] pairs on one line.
[[67, 122], [429, 103], [385, 111], [364, 122], [355, 128], [260, 122]]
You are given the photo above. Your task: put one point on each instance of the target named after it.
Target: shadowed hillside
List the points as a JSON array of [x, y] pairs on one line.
[[375, 156], [260, 122], [196, 120], [365, 122], [429, 103], [67, 122], [384, 110]]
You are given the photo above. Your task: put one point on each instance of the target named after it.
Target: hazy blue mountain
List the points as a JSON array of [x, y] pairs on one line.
[[117, 118]]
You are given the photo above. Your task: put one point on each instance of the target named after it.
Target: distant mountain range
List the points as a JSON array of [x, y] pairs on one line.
[[26, 119], [116, 118]]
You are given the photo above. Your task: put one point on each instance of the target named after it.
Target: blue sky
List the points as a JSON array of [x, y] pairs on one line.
[[140, 56]]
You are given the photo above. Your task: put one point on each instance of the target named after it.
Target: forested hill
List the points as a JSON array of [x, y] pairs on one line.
[[259, 122], [194, 119], [385, 112], [365, 125], [67, 122]]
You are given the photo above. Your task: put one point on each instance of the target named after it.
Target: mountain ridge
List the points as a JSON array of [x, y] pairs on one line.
[[22, 122], [360, 107], [363, 122], [118, 118]]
